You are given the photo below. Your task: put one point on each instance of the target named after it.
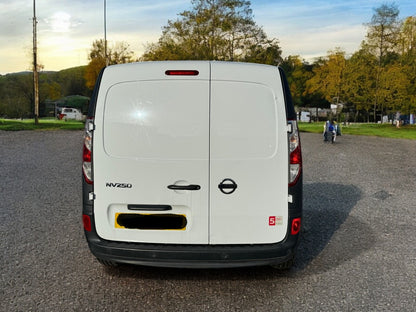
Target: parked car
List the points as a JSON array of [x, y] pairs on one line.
[[192, 164], [70, 113]]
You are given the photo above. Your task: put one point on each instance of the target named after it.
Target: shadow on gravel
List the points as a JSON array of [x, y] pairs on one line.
[[330, 237]]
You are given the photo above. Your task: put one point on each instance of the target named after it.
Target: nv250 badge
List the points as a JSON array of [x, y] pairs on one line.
[[118, 185]]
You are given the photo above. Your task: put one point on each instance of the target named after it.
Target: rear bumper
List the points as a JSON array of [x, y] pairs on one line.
[[196, 256], [192, 256]]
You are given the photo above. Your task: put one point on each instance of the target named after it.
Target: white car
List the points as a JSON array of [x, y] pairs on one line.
[[70, 113], [192, 164]]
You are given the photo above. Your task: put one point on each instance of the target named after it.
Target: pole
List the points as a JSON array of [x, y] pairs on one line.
[[105, 33], [35, 66]]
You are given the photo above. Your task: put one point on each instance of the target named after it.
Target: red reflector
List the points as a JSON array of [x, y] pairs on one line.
[[182, 73], [295, 226], [87, 223]]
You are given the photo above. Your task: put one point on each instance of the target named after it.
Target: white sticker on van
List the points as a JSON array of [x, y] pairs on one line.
[[275, 220]]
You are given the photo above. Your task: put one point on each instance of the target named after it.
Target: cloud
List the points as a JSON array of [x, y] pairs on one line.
[[59, 22], [312, 44]]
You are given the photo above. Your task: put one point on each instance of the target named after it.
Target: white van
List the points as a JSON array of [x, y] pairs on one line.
[[192, 164]]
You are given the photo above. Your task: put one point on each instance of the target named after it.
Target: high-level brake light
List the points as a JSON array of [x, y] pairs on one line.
[[182, 73]]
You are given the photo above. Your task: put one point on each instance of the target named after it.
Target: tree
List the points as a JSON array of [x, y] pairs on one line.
[[19, 97], [383, 31], [393, 85], [298, 73], [215, 30], [360, 75], [408, 62], [382, 39], [328, 75], [407, 41], [119, 53]]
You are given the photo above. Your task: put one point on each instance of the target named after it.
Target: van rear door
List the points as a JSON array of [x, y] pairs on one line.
[[248, 155], [151, 149], [208, 146]]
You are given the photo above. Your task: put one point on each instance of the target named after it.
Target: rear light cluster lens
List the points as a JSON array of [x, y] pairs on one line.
[[295, 154], [87, 151]]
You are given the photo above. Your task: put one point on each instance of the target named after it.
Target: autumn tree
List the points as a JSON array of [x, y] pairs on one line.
[[119, 53], [360, 76], [382, 40], [328, 77], [215, 30], [408, 62], [298, 73], [407, 38], [383, 32]]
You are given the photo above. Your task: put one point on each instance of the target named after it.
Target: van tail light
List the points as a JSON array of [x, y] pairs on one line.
[[87, 151], [295, 154]]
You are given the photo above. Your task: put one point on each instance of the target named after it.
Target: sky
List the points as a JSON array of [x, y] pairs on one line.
[[67, 28]]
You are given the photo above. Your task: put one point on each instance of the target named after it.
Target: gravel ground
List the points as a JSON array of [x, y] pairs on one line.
[[358, 250]]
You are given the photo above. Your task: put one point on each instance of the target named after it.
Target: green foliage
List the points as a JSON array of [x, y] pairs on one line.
[[119, 53], [360, 77], [328, 77], [215, 30], [16, 98], [298, 73], [72, 82]]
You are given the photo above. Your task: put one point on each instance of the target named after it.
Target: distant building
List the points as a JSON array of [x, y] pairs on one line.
[[313, 113]]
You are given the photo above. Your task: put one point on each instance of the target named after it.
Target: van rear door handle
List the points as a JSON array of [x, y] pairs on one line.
[[191, 187], [150, 207]]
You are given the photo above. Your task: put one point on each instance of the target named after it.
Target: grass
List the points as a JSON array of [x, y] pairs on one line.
[[44, 124], [379, 130]]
